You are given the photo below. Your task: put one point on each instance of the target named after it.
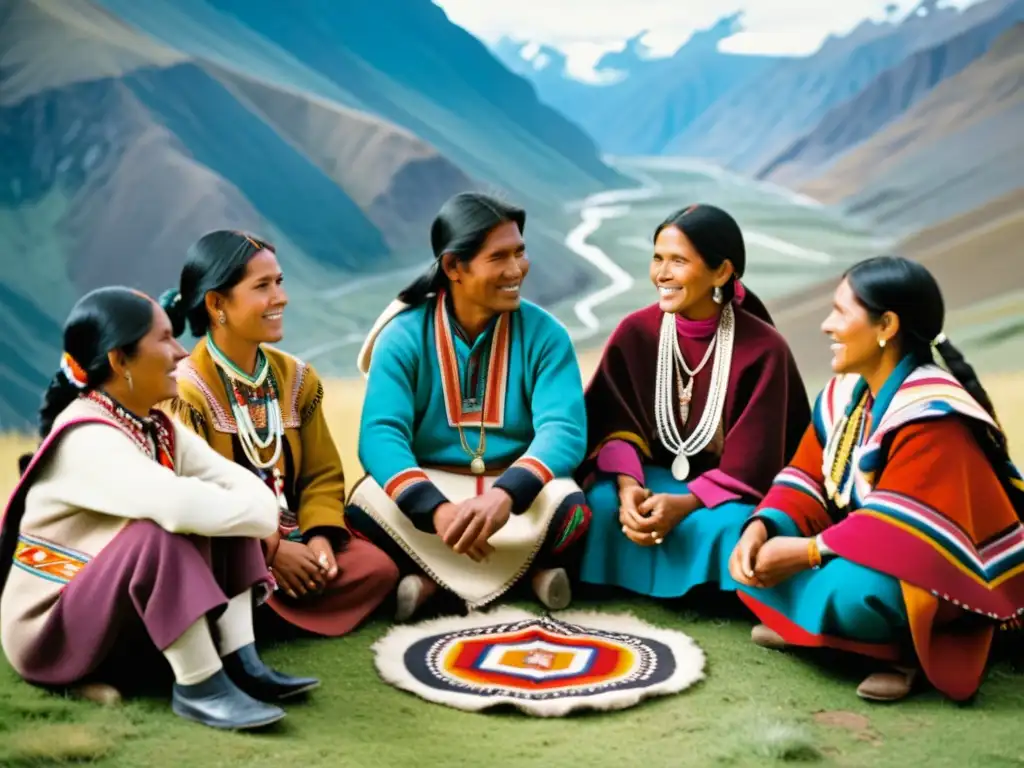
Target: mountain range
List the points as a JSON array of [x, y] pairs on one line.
[[642, 103], [128, 129], [853, 124]]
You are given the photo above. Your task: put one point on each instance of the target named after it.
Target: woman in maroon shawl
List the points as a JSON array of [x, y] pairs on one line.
[[695, 407]]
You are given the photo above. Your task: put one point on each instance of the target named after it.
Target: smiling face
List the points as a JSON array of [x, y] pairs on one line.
[[492, 280], [153, 366], [683, 279], [254, 307], [855, 334]]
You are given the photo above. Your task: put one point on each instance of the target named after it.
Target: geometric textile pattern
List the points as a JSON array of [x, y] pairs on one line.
[[543, 665]]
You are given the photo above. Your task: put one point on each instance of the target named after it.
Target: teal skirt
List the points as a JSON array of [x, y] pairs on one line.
[[839, 604], [840, 601], [695, 552]]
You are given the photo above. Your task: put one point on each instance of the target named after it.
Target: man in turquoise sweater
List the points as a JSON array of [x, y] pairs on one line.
[[473, 422]]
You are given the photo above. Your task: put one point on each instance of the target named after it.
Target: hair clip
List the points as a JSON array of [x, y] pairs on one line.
[[73, 372]]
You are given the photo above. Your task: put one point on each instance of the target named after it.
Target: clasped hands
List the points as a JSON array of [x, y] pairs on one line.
[[646, 517], [302, 569], [466, 527], [758, 561]]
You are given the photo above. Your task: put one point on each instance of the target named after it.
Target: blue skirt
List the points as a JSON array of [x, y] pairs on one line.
[[695, 552]]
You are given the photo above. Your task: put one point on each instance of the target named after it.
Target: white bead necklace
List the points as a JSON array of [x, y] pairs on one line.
[[248, 435], [670, 358]]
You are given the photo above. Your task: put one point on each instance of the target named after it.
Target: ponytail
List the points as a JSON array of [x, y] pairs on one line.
[[176, 310], [426, 285], [749, 301], [59, 395]]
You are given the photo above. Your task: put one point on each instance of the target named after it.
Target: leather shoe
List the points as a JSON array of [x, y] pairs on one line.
[[219, 703], [247, 670]]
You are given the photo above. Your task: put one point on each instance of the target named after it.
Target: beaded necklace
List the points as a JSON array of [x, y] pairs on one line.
[[258, 392], [839, 453], [150, 435], [670, 360]]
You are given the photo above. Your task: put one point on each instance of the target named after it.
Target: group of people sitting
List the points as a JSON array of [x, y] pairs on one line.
[[175, 494]]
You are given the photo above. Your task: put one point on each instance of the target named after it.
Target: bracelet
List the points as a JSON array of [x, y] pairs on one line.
[[813, 553]]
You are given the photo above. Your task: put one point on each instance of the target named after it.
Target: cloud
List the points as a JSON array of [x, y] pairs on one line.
[[797, 27]]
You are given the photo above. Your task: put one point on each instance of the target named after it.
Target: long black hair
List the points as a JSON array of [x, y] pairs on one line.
[[215, 262], [103, 321], [717, 237], [908, 290], [460, 228]]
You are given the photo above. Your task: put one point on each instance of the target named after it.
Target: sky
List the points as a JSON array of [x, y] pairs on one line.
[[586, 29]]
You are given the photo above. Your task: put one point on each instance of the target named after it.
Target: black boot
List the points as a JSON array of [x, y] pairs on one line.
[[249, 673], [218, 703]]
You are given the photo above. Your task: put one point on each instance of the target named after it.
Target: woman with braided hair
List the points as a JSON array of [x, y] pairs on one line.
[[895, 532]]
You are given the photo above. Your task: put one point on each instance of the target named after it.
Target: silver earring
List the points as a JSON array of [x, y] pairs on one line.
[[221, 317], [716, 295], [881, 343]]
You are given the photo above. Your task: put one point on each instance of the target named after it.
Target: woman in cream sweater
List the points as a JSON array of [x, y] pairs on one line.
[[124, 519]]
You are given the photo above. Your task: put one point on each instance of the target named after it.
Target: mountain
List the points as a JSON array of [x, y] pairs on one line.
[[127, 130], [955, 150], [886, 98], [749, 128], [640, 103], [401, 60]]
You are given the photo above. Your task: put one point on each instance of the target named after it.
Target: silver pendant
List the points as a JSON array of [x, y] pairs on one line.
[[477, 465], [680, 467]]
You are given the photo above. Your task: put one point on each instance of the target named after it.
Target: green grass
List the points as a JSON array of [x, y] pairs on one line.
[[756, 707]]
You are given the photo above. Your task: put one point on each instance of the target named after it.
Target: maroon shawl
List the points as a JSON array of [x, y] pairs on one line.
[[766, 407]]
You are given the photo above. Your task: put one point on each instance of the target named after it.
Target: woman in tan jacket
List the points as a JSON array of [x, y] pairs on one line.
[[261, 408], [124, 520]]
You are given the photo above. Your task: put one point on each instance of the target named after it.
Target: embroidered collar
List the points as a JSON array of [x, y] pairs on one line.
[[497, 341], [152, 435], [252, 380], [913, 392]]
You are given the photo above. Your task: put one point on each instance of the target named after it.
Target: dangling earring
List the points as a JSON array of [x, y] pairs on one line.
[[128, 378], [221, 317], [716, 295], [881, 343]]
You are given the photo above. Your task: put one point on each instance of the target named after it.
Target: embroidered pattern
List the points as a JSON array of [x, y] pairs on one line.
[[47, 560], [575, 525], [292, 419], [536, 467], [403, 481], [451, 384], [798, 480], [310, 409], [223, 420], [153, 436], [990, 565]]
